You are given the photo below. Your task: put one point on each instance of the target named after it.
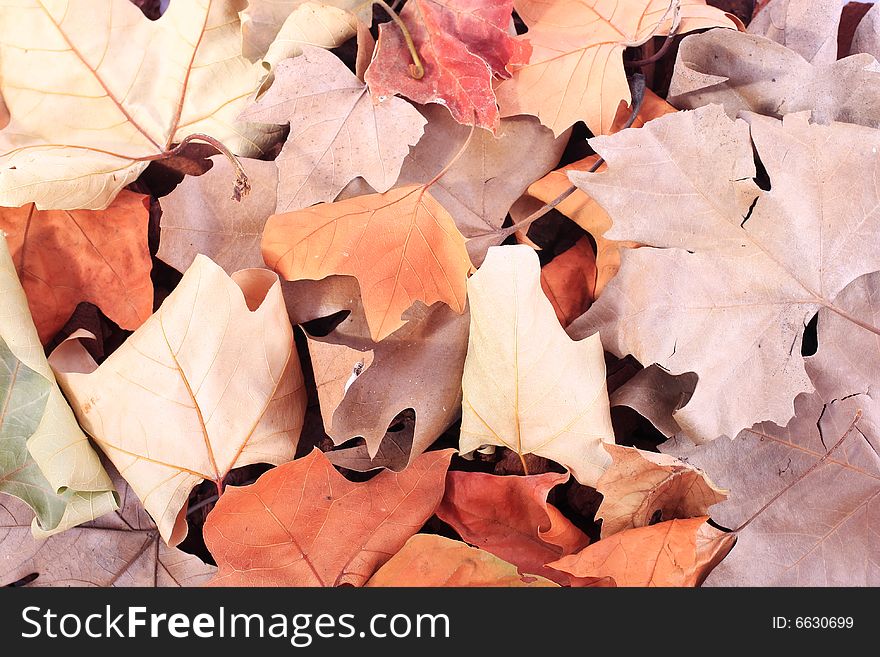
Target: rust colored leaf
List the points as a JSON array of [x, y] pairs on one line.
[[569, 281], [304, 524], [511, 518], [66, 257], [429, 560], [673, 553], [463, 45], [401, 246]]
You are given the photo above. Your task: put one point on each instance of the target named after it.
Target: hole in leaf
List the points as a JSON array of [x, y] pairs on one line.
[[323, 326], [762, 178], [810, 343], [656, 517]]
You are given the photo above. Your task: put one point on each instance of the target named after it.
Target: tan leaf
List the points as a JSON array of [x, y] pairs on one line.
[[209, 383], [576, 69], [673, 553], [643, 488], [130, 88], [337, 133], [746, 268], [415, 251], [429, 560], [527, 386], [656, 395], [867, 34], [807, 27], [119, 549], [746, 72], [336, 367]]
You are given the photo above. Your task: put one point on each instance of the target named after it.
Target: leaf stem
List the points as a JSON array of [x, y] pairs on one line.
[[242, 185], [416, 69], [455, 159]]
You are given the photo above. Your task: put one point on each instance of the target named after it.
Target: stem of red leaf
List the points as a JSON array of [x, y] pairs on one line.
[[416, 69]]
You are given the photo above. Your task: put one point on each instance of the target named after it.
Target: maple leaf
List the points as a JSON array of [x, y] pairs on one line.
[[745, 72], [527, 386], [131, 88], [641, 487], [217, 363], [427, 560], [805, 26], [511, 518], [119, 549], [463, 45], [575, 72], [62, 476], [64, 258], [672, 553], [740, 284], [336, 132], [337, 533], [416, 252], [419, 366]]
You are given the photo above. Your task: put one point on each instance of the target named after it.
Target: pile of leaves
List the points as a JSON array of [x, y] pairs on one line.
[[449, 293]]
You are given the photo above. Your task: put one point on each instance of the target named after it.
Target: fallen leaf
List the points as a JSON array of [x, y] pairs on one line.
[[73, 485], [200, 216], [217, 363], [743, 269], [527, 386], [745, 72], [126, 96], [511, 518], [463, 46], [576, 69], [335, 367], [656, 395], [261, 21], [805, 26], [337, 133], [643, 488], [119, 549], [417, 252], [673, 553], [337, 533], [569, 281], [427, 560], [419, 366], [64, 258], [867, 35]]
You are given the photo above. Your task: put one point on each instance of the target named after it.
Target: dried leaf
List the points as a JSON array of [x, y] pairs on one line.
[[673, 553], [643, 488], [309, 25], [64, 258], [131, 87], [656, 395], [75, 488], [217, 363], [527, 386], [576, 69], [807, 27], [743, 270], [337, 133], [463, 45], [338, 533], [867, 34], [427, 560], [510, 517], [417, 252], [569, 281]]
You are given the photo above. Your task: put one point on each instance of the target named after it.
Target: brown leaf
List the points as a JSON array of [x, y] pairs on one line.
[[118, 549], [428, 560], [807, 27], [337, 133], [337, 533], [656, 395], [209, 383], [643, 488], [569, 281], [745, 72], [673, 553], [510, 517], [64, 258]]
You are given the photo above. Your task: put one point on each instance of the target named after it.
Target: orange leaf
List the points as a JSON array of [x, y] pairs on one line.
[[576, 69], [430, 560], [673, 553], [66, 257], [401, 246], [569, 281], [304, 524], [510, 517]]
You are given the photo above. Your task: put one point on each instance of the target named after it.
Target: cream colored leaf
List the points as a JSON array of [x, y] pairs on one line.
[[96, 90], [310, 25], [576, 69], [527, 386], [58, 446], [210, 382], [337, 133]]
